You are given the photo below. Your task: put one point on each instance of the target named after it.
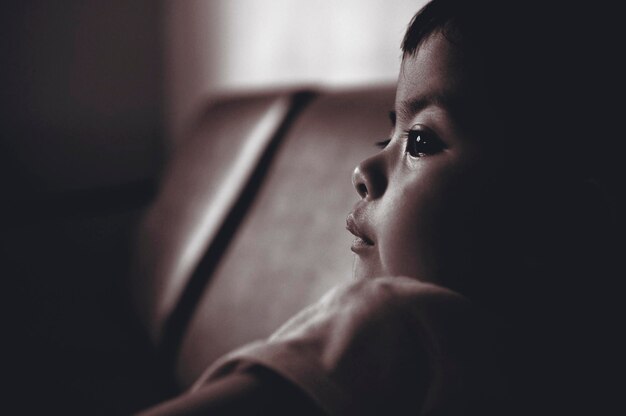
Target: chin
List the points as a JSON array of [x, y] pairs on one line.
[[363, 270]]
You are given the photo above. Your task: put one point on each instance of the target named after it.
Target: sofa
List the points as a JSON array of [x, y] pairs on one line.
[[121, 294], [248, 225]]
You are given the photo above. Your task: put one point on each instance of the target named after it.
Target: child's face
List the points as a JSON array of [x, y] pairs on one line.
[[421, 194]]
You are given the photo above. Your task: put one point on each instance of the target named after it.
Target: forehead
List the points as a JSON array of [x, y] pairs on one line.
[[434, 75], [446, 79]]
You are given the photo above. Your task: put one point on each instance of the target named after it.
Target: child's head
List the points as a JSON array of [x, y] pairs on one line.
[[484, 185], [475, 188]]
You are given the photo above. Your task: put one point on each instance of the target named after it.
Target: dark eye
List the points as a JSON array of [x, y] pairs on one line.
[[423, 142]]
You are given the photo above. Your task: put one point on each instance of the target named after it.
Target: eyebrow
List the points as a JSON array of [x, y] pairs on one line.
[[409, 108]]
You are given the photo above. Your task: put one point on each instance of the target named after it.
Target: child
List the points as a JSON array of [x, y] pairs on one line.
[[471, 241]]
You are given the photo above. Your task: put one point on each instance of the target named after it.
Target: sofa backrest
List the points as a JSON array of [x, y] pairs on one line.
[[287, 244], [199, 188]]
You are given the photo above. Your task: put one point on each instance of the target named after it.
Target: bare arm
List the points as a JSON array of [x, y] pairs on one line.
[[254, 392]]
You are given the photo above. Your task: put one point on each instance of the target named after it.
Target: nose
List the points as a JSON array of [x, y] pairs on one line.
[[369, 177]]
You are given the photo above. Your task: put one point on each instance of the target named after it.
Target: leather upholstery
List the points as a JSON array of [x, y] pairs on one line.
[[199, 187], [292, 246]]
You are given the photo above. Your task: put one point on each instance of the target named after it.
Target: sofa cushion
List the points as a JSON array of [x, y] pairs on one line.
[[292, 246], [200, 186]]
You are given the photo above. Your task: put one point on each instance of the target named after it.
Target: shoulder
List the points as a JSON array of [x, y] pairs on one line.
[[398, 294], [395, 306]]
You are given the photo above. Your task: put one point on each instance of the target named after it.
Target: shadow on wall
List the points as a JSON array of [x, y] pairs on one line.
[[81, 98], [221, 45], [80, 148]]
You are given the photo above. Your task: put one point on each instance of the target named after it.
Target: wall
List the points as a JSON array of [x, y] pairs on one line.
[[223, 45], [80, 141], [81, 102]]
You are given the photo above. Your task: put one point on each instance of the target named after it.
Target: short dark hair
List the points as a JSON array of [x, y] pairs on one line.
[[435, 15]]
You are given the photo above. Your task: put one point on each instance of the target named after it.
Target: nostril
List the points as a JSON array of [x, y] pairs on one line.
[[361, 189]]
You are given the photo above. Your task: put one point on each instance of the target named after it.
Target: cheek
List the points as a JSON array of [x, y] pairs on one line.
[[410, 235], [429, 237]]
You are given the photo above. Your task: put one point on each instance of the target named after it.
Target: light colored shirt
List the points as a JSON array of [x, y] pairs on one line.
[[390, 345]]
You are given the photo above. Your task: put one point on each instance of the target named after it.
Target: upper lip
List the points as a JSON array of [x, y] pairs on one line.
[[356, 228]]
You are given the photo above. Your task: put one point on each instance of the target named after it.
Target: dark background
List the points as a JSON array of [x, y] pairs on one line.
[[80, 150]]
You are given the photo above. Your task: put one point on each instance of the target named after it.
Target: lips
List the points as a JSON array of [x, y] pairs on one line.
[[362, 241]]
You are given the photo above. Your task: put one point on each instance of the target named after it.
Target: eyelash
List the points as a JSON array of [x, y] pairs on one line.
[[420, 142]]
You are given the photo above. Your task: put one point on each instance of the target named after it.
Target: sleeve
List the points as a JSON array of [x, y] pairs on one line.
[[378, 346]]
